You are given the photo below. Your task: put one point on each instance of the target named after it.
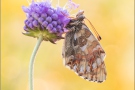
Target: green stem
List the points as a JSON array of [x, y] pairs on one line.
[[31, 65]]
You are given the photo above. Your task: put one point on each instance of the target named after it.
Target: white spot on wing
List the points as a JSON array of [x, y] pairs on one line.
[[84, 47], [89, 76], [91, 38], [88, 69], [94, 65], [102, 56], [98, 61], [81, 69], [67, 59], [94, 49], [83, 26], [98, 46], [75, 36], [75, 68]]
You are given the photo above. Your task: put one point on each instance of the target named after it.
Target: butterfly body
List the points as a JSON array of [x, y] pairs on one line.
[[82, 52]]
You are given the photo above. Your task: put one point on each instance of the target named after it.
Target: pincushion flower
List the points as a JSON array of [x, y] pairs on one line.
[[45, 23], [43, 19]]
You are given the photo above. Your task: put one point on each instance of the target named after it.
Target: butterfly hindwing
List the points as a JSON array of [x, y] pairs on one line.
[[84, 55]]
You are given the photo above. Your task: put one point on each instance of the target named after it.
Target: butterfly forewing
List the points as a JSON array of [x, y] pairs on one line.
[[83, 54]]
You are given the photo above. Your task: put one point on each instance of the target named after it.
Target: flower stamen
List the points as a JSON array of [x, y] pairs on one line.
[[65, 5], [70, 6]]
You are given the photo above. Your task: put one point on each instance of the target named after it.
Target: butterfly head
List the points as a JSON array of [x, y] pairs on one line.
[[80, 15], [76, 21]]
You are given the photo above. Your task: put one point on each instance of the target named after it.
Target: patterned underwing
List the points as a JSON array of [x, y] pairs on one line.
[[82, 51]]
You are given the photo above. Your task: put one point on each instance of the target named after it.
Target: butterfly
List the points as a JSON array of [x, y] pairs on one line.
[[82, 51]]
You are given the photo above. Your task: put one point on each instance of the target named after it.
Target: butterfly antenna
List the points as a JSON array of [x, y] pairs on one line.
[[98, 36]]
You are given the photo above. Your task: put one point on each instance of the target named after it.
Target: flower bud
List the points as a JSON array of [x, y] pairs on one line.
[[59, 21], [35, 23], [49, 26], [54, 23], [54, 16], [49, 19], [37, 9], [35, 15], [30, 19], [26, 22], [44, 15], [45, 23], [40, 20], [54, 30], [30, 26], [50, 12], [59, 27], [25, 28]]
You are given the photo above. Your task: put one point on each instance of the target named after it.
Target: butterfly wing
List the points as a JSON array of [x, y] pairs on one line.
[[84, 55]]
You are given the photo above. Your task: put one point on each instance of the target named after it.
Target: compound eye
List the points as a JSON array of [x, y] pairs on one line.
[[81, 17]]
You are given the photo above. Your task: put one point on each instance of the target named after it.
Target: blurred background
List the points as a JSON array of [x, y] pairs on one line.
[[114, 21]]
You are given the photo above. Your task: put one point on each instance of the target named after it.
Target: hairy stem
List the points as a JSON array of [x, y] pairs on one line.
[[31, 65]]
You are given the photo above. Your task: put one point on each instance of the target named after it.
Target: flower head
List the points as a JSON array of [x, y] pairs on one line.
[[43, 19]]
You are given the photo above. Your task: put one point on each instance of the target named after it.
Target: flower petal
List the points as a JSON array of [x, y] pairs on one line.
[[72, 5], [25, 9]]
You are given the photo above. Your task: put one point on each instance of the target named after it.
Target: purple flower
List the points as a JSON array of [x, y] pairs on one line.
[[54, 30], [59, 21], [49, 27], [54, 16], [25, 9], [40, 20], [31, 26], [59, 27], [25, 28], [45, 23], [30, 19], [50, 12], [26, 22], [49, 19], [42, 16], [54, 23], [35, 23]]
